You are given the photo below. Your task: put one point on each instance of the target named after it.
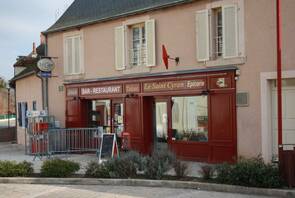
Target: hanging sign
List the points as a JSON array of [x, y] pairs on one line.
[[45, 74], [45, 65], [108, 147]]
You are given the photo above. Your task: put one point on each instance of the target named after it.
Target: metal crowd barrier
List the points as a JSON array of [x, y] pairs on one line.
[[65, 141]]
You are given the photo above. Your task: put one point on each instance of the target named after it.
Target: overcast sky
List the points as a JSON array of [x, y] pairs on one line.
[[21, 22]]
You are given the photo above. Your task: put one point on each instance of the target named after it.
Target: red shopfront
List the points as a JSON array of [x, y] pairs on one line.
[[193, 113]]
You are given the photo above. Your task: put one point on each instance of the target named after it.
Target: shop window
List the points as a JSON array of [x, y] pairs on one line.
[[101, 114], [190, 118]]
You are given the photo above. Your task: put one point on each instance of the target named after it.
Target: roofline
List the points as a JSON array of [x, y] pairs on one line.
[[22, 76], [134, 12], [147, 75]]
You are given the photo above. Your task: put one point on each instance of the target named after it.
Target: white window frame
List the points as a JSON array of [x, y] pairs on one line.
[[133, 68], [142, 46], [240, 36], [73, 35]]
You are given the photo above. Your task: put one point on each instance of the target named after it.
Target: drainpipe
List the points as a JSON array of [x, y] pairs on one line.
[[279, 76], [45, 82]]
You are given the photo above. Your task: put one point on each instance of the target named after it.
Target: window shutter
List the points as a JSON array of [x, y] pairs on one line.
[[76, 58], [202, 35], [230, 31], [120, 48], [150, 42], [68, 62]]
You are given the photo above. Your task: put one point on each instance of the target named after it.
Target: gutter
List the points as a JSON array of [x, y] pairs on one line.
[[131, 13]]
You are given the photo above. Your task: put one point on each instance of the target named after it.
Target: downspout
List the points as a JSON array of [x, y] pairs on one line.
[[279, 76], [45, 82]]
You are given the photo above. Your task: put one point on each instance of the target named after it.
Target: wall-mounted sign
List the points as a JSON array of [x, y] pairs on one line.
[[221, 83], [72, 92], [45, 74], [45, 65], [31, 114], [132, 88], [174, 85], [112, 89]]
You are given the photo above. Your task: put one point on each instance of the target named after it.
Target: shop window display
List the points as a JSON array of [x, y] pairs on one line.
[[190, 118]]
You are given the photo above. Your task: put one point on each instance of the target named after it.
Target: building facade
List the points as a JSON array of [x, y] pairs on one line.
[[216, 104]]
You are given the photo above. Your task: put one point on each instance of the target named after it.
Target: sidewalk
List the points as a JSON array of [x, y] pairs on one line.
[[16, 153]]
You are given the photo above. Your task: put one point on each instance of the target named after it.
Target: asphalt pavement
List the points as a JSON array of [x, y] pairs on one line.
[[58, 191]]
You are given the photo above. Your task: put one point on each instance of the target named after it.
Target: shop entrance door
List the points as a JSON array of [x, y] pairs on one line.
[[161, 125], [118, 119]]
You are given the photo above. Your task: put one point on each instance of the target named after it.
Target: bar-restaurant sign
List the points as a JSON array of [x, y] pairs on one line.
[[173, 85], [112, 89]]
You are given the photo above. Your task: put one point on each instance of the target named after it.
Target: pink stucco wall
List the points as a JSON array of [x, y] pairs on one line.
[[175, 27], [28, 89]]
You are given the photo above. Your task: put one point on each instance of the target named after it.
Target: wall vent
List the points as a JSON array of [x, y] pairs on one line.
[[243, 99]]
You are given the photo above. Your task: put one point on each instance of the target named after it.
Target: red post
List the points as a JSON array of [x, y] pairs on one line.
[[279, 75]]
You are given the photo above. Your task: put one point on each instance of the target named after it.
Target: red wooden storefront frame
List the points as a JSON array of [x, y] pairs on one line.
[[138, 96]]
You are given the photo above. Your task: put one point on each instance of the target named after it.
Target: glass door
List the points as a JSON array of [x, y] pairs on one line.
[[118, 119], [161, 125]]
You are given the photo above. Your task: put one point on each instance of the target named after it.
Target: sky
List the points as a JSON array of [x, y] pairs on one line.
[[21, 22]]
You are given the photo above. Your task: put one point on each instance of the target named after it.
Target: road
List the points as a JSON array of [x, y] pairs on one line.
[[49, 191]]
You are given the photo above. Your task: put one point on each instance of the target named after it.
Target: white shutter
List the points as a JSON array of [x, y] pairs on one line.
[[77, 54], [68, 62], [120, 48], [202, 37], [230, 31], [150, 42]]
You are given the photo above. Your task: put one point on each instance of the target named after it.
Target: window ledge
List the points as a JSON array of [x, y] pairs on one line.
[[223, 62], [74, 76], [136, 69]]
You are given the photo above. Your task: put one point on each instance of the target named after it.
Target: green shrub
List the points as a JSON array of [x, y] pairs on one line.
[[207, 172], [180, 168], [121, 168], [13, 169], [250, 172], [114, 168], [59, 168], [96, 170], [158, 164], [135, 157]]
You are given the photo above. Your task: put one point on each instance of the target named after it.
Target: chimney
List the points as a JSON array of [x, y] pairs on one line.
[[34, 52]]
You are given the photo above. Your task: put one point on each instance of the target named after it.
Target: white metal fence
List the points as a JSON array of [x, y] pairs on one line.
[[65, 141]]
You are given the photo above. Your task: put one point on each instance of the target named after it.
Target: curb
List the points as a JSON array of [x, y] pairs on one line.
[[153, 183]]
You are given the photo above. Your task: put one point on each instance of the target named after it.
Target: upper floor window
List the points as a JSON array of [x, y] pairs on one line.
[[73, 57], [218, 33], [135, 45], [138, 51]]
